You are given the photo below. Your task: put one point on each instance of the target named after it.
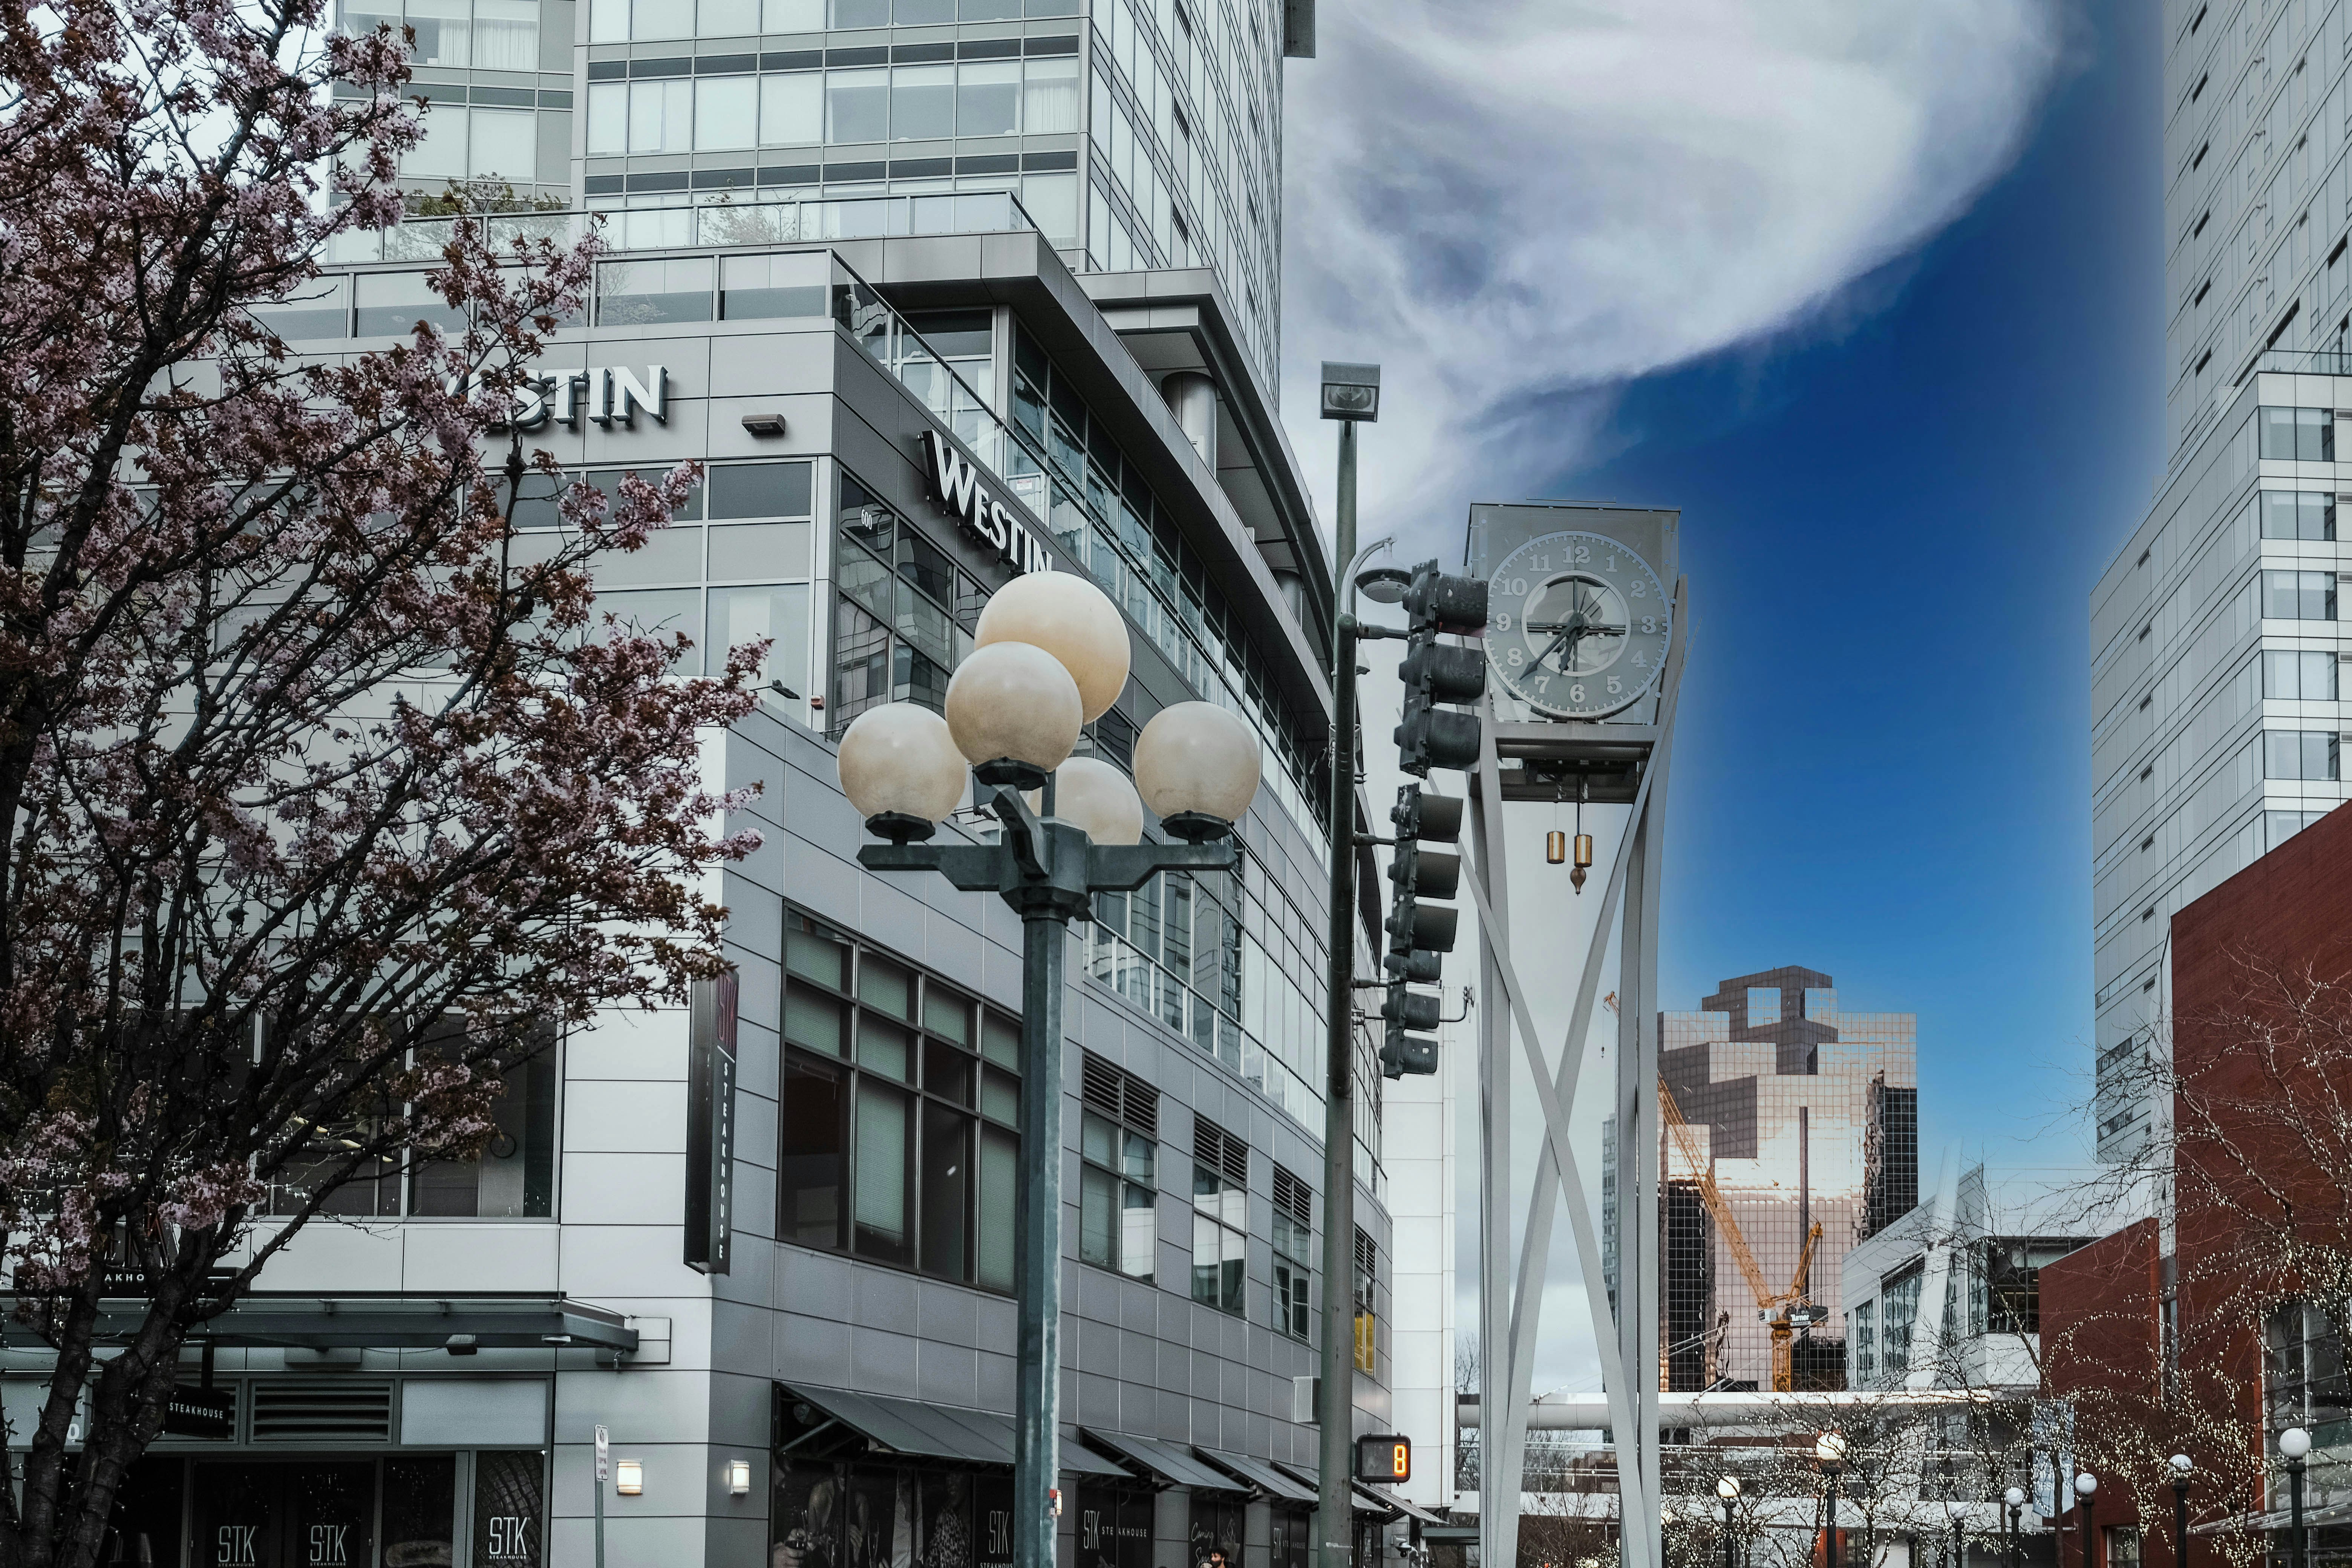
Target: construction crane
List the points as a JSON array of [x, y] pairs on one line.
[[1775, 1307]]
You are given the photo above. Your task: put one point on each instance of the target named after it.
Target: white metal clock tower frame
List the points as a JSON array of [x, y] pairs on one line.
[[1624, 763]]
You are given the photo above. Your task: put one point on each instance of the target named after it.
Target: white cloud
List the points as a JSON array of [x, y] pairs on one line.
[[1510, 202]]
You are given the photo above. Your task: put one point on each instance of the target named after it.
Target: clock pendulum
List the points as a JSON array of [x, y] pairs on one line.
[[1556, 842]]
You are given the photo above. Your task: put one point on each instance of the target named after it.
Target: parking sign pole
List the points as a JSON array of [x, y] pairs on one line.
[[604, 1469]]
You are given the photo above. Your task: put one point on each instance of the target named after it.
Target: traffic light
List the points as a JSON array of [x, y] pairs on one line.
[[1433, 672], [1420, 934], [1387, 1458]]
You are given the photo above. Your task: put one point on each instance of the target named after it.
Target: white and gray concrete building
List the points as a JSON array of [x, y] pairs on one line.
[[2214, 633], [1042, 239]]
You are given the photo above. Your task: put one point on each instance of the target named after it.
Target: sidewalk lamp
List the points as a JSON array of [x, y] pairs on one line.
[[2015, 1498], [1829, 1449], [1957, 1512], [2293, 1444], [1050, 653], [2181, 1469], [1727, 1489], [2086, 1486]]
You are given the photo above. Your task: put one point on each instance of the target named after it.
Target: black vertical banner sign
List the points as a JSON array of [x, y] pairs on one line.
[[710, 1126]]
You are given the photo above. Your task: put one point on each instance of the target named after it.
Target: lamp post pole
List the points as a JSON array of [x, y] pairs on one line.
[[1351, 397], [2294, 1443], [1829, 1449], [2015, 1498], [2086, 1487], [2180, 1471], [1727, 1489]]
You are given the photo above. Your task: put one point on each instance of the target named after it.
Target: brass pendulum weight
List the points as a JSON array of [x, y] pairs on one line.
[[1576, 873]]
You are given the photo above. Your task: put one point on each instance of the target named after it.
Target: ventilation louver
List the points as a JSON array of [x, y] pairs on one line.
[[343, 1410]]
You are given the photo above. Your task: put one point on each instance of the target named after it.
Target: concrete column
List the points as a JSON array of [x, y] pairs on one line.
[[1192, 398]]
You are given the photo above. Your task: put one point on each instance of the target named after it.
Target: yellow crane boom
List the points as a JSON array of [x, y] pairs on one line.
[[1773, 1305]]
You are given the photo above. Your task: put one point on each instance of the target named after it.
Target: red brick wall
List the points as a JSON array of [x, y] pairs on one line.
[[2101, 1337]]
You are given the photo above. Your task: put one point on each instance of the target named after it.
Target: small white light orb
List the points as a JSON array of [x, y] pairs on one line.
[[1830, 1448], [1195, 759], [1014, 699], [1728, 1488], [2014, 1497], [1070, 618], [2180, 1465], [1955, 1509], [2085, 1483], [902, 757], [1096, 797], [2294, 1442]]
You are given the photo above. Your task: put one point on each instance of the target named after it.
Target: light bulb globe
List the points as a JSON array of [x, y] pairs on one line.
[[2085, 1483], [1197, 768], [900, 769], [1070, 618], [2014, 1497], [1099, 799], [1728, 1488], [1830, 1448], [2294, 1442], [1015, 703]]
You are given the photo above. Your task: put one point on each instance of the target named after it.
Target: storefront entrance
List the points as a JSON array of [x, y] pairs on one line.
[[388, 1512]]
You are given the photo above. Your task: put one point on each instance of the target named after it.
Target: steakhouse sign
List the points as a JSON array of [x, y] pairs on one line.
[[955, 484]]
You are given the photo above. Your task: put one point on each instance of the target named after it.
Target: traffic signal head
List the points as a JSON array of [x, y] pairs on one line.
[[1426, 736], [1435, 738], [1445, 603], [1386, 1457], [1403, 1053], [1435, 818], [1444, 672]]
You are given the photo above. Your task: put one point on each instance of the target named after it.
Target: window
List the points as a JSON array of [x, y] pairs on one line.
[[726, 111], [988, 98], [1367, 1270], [1898, 1308], [1861, 1324], [2307, 754], [904, 618], [2278, 826], [1294, 1257], [644, 293], [1049, 96], [491, 35], [898, 1136], [792, 109], [2299, 434], [2299, 595], [2298, 514], [1220, 1215], [2122, 1546], [1117, 1199], [922, 102], [2013, 1273], [857, 106], [2293, 675]]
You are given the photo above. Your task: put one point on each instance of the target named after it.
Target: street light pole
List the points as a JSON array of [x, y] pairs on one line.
[[1958, 1512], [1829, 1449], [2294, 1443], [2086, 1487], [1727, 1489], [1352, 396], [1050, 652], [2015, 1498], [2181, 1472]]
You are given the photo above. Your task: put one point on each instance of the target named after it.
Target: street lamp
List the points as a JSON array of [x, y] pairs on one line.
[[2085, 1486], [2015, 1498], [1050, 653], [2293, 1444], [1727, 1489], [1957, 1512], [1829, 1449], [2181, 1469]]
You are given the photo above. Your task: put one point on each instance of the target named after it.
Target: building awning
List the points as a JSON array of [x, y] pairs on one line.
[[1389, 1501], [1359, 1500], [1260, 1474], [1168, 1461], [394, 1322], [917, 1430]]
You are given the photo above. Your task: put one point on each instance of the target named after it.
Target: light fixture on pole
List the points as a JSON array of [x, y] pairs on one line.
[[1727, 1489], [2181, 1470], [1050, 654], [2086, 1486], [2293, 1444], [2015, 1498], [1957, 1512], [1829, 1449]]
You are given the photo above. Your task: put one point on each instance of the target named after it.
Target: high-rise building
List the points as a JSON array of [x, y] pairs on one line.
[[940, 292], [2215, 717], [1791, 1114]]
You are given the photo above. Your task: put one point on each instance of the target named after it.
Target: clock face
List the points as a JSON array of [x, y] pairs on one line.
[[1578, 625]]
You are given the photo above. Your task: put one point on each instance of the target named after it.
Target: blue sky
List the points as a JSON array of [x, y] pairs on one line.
[[1893, 518]]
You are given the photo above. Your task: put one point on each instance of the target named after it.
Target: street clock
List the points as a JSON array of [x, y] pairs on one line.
[[1578, 625]]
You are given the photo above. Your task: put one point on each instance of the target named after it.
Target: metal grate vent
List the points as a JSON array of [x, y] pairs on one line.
[[1117, 1092], [344, 1410], [1292, 1197], [1220, 1151]]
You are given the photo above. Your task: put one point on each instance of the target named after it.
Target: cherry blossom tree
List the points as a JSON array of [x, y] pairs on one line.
[[325, 805]]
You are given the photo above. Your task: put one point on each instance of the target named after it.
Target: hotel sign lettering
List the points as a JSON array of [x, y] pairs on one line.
[[954, 482], [607, 396]]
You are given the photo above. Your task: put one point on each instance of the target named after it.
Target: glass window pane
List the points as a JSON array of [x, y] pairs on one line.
[[760, 549], [1138, 1231], [792, 109], [1049, 96], [988, 98], [947, 1072], [319, 307], [778, 615], [1000, 1041], [440, 152], [766, 287], [726, 111], [2278, 434], [760, 490], [1000, 1096], [999, 1161], [2318, 676], [921, 13], [945, 1197], [1097, 1210], [813, 1019], [2282, 754], [726, 19], [792, 16], [1206, 1281], [884, 985], [644, 293], [392, 303], [856, 105], [660, 19], [1052, 201], [1136, 1157], [815, 952], [441, 30], [814, 1147], [884, 1142], [861, 13], [608, 117], [506, 143], [922, 102], [1097, 1139], [506, 35], [884, 1048], [2280, 679], [946, 1011], [608, 21]]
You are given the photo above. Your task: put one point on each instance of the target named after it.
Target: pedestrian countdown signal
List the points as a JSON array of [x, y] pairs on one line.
[[1386, 1458]]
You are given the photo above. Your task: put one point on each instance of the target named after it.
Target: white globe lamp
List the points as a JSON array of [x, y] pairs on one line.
[[1014, 712], [1098, 798], [901, 771], [1070, 618], [1197, 767]]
